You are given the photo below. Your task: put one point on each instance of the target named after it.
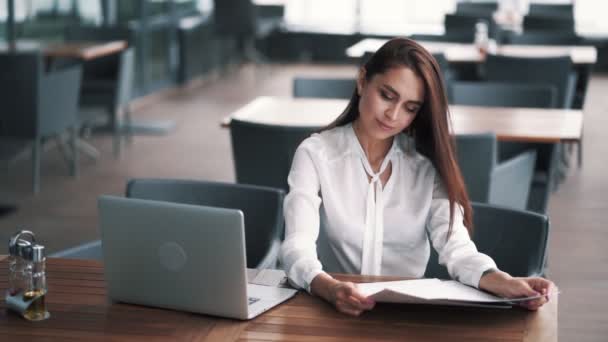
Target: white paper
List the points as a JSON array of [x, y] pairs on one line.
[[431, 291]]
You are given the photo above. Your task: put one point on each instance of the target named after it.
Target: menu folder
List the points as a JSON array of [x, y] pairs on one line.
[[435, 292]]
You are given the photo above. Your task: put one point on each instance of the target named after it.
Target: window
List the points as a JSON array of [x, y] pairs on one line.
[[322, 15]]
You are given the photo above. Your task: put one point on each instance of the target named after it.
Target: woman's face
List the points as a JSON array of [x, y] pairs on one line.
[[389, 102]]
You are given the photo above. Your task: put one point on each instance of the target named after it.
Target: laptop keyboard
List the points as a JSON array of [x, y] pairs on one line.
[[252, 300]]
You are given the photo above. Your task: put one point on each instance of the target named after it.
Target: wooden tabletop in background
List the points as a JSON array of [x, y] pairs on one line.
[[468, 53], [509, 124], [80, 310], [79, 50], [84, 50]]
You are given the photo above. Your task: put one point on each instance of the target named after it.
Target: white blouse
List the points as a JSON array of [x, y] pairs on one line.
[[338, 221]]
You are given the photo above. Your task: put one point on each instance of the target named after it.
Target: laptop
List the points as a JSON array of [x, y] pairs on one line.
[[181, 257]]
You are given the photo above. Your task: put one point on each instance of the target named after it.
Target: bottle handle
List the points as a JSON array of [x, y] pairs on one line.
[[13, 242]]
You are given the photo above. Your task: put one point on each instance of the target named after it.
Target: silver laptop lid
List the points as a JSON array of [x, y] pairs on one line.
[[175, 256]]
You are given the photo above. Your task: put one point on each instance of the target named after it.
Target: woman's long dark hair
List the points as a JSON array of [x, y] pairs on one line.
[[430, 127]]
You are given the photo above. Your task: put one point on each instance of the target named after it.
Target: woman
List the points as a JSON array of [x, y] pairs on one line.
[[377, 180]]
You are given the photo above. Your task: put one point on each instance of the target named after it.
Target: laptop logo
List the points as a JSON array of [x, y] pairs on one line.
[[172, 256]]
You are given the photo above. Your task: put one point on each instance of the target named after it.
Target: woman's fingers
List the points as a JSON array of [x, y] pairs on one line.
[[350, 301], [354, 298], [534, 304]]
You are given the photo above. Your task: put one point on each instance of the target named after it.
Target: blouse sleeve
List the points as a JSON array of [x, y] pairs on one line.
[[301, 209], [458, 253]]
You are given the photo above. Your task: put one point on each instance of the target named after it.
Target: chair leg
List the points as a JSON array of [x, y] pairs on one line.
[[128, 127], [116, 139], [73, 145], [67, 155], [36, 165]]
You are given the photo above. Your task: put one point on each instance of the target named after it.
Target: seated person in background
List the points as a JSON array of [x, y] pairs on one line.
[[384, 173]]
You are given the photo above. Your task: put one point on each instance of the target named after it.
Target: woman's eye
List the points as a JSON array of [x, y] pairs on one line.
[[385, 95]]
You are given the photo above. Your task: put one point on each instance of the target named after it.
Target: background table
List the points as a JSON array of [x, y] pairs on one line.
[[509, 124], [80, 310], [468, 53]]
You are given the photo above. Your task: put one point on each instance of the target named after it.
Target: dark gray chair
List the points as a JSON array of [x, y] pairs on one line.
[[245, 22], [262, 209], [506, 183], [459, 36], [502, 94], [7, 209], [271, 146], [552, 10], [331, 88], [557, 71], [465, 23], [548, 24], [476, 8], [544, 38], [518, 95], [108, 81], [38, 105], [515, 239]]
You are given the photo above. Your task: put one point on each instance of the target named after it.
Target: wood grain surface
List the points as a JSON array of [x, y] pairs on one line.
[[80, 310]]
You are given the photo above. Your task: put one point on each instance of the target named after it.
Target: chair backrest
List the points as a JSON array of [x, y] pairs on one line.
[[334, 88], [515, 239], [465, 23], [262, 208], [477, 8], [552, 10], [19, 77], [548, 70], [126, 76], [235, 17], [263, 153], [459, 36], [503, 94], [58, 96], [550, 24], [544, 38], [37, 104], [477, 155]]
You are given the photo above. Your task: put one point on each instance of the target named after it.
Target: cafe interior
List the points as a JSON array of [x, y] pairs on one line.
[[99, 94]]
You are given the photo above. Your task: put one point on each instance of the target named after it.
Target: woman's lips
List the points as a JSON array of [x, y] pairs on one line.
[[385, 126]]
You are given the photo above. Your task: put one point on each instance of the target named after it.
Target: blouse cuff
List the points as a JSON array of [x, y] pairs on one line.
[[309, 278], [475, 276]]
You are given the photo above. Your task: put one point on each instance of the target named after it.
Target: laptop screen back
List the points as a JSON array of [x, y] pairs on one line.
[[175, 256]]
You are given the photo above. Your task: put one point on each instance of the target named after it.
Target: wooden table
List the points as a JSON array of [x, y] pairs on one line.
[[78, 50], [509, 124], [80, 310], [84, 50], [468, 53]]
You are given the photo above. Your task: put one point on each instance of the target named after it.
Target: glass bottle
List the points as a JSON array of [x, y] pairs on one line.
[[17, 265], [27, 278], [482, 39], [36, 291]]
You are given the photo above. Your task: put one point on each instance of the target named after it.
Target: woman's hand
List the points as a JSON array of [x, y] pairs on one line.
[[343, 295], [503, 285]]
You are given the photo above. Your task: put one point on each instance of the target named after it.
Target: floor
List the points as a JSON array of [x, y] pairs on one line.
[[64, 213]]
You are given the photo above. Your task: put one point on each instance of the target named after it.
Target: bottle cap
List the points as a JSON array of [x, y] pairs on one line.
[[37, 253], [34, 253]]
